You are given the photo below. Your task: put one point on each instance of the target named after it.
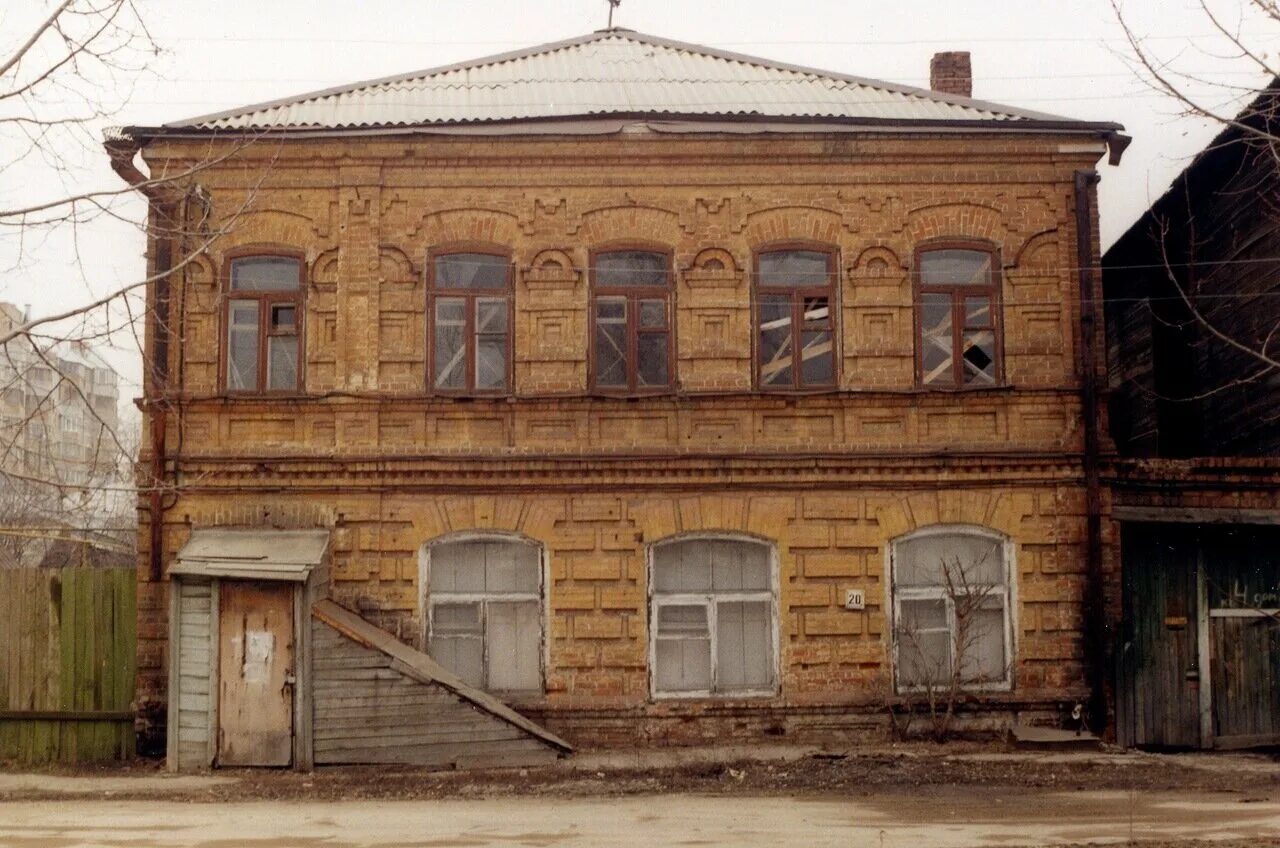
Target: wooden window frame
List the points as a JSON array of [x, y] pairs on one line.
[[266, 300], [829, 291], [1006, 591], [470, 296], [957, 293], [430, 600], [711, 599], [633, 295]]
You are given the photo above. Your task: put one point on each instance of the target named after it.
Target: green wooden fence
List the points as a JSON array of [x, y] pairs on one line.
[[67, 664]]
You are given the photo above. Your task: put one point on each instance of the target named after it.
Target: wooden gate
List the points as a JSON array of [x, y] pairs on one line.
[[1198, 659], [1242, 572], [67, 664]]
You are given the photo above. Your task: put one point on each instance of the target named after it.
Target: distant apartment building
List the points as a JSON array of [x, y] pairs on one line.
[[59, 420]]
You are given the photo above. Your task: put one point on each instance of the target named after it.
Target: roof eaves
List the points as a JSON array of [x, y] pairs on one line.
[[819, 122]]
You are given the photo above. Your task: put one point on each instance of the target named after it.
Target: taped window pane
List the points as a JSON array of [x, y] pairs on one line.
[[936, 339], [282, 363], [491, 363], [450, 343], [242, 346], [979, 357], [611, 342], [818, 364], [775, 344]]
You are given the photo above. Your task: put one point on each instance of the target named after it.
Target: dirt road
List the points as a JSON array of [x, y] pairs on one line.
[[928, 817]]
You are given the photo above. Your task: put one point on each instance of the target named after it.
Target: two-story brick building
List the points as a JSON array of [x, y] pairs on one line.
[[646, 386]]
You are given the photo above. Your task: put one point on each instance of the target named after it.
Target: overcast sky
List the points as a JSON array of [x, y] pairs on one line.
[[1066, 57]]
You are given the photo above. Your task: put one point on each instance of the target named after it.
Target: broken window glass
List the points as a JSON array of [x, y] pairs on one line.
[[958, 332], [632, 328], [471, 331], [795, 315]]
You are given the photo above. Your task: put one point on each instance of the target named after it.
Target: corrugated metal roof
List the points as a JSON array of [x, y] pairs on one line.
[[611, 72], [252, 554]]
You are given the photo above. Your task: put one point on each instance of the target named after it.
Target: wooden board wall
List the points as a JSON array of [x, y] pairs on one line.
[[194, 699], [367, 712], [67, 664]]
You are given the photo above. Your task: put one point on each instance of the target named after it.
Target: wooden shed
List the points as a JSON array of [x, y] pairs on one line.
[[265, 671]]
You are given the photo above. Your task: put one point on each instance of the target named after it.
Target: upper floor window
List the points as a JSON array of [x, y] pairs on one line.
[[951, 609], [631, 321], [712, 619], [264, 314], [470, 301], [795, 346], [958, 301]]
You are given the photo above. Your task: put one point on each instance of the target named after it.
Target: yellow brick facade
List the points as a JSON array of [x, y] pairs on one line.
[[828, 479]]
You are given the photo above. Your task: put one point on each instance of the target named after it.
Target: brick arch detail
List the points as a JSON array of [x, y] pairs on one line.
[[1038, 253], [280, 227], [956, 220], [628, 223], [463, 224], [788, 223]]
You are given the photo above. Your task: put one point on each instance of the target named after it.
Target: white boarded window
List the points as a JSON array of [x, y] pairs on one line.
[[951, 609], [484, 609], [712, 619]]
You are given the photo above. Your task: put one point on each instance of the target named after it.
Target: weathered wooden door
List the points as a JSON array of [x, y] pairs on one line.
[[1242, 567], [1157, 664], [255, 674]]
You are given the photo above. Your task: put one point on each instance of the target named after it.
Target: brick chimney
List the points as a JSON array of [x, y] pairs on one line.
[[951, 73]]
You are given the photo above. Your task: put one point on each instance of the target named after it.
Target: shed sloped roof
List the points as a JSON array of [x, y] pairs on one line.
[[252, 554], [612, 72]]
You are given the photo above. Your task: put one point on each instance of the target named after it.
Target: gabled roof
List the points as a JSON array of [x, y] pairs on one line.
[[613, 73]]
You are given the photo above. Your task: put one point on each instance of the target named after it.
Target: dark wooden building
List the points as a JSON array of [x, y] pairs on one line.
[[1193, 308]]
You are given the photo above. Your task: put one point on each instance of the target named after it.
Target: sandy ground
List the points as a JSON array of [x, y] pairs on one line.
[[938, 817], [902, 796]]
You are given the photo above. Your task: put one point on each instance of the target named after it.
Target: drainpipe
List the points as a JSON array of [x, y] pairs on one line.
[[165, 207], [1094, 606]]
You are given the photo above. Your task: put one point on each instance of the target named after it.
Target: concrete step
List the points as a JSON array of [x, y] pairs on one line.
[[1030, 738]]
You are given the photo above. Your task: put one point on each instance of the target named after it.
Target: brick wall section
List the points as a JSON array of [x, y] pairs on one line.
[[828, 479]]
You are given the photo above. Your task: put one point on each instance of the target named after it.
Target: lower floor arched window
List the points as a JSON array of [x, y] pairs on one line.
[[484, 612], [951, 610], [713, 618]]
